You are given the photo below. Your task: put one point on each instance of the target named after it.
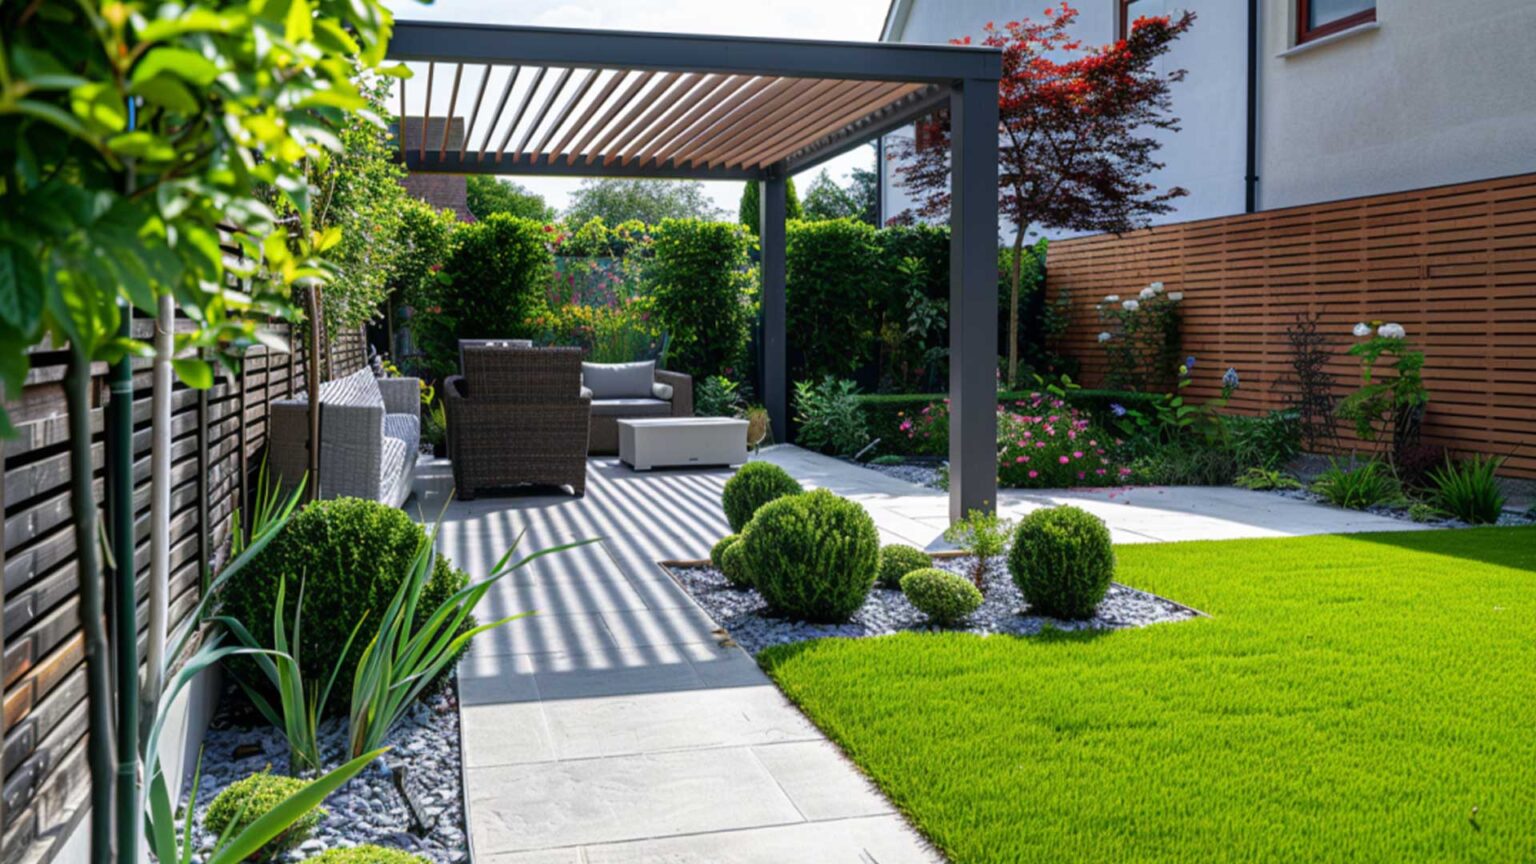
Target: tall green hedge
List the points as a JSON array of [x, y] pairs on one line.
[[702, 287], [496, 277], [834, 286]]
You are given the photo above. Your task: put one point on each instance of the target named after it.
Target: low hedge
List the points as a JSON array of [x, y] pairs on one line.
[[946, 598], [812, 556], [885, 412]]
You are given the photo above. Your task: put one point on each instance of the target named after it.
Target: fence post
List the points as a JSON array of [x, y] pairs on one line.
[[204, 530]]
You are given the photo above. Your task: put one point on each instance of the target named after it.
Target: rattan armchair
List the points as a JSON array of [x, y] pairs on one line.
[[518, 416]]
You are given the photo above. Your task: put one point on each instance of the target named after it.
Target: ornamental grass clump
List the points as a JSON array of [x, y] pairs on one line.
[[1358, 487], [1062, 562], [755, 484], [812, 556], [946, 598], [1470, 490], [244, 801], [897, 560]]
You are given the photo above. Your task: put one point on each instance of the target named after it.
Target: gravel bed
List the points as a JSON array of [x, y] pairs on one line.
[[743, 614], [1506, 519], [920, 473], [368, 809]]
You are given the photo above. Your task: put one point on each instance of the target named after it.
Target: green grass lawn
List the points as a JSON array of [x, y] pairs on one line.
[[1360, 698]]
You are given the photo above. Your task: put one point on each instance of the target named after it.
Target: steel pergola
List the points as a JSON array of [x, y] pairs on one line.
[[538, 101]]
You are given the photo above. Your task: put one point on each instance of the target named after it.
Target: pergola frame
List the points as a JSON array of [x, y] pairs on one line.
[[751, 109]]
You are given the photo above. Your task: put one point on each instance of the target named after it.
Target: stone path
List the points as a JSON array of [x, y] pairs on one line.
[[614, 726]]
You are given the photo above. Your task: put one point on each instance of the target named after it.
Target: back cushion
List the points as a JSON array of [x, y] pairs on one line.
[[359, 388], [619, 380]]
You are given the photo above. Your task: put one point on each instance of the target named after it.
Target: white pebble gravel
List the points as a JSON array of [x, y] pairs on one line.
[[368, 809], [743, 613]]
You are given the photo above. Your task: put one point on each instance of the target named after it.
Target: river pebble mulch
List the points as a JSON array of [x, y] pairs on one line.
[[744, 615], [1506, 519], [368, 809]]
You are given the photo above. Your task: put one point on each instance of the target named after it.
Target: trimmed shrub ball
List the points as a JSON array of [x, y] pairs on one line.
[[812, 556], [946, 598], [367, 854], [1062, 562], [754, 485], [897, 560], [719, 549], [352, 555], [244, 801], [733, 563]]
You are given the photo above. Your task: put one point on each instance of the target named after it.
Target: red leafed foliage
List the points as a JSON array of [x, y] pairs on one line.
[[1077, 127]]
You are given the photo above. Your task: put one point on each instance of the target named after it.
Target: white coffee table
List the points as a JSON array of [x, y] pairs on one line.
[[670, 442]]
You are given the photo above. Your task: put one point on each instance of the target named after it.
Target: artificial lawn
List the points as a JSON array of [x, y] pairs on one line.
[[1361, 698]]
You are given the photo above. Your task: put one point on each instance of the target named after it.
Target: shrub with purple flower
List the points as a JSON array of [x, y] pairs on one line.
[[1045, 443]]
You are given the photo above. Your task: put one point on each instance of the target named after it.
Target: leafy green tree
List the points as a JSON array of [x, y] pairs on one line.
[[751, 197], [701, 284], [827, 200], [489, 195], [131, 135], [864, 186], [618, 201]]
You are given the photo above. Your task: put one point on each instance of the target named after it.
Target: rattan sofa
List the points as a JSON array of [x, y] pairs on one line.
[[370, 433], [517, 416], [629, 390]]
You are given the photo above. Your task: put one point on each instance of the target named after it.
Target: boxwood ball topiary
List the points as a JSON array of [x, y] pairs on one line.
[[946, 598], [352, 556], [897, 560], [733, 563], [1062, 561], [812, 556], [719, 548], [754, 485], [366, 854], [244, 801]]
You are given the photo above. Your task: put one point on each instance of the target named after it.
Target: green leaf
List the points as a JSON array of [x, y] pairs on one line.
[[142, 145], [167, 92], [21, 286], [99, 105], [290, 810], [189, 66], [193, 372]]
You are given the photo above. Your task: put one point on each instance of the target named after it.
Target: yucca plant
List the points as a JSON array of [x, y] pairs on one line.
[[1364, 485], [1470, 490], [401, 660]]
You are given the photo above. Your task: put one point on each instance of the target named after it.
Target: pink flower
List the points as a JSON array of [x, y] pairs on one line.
[[1039, 443], [1077, 454], [1124, 471], [1099, 471], [1082, 476], [1064, 460], [1034, 474], [1021, 460]]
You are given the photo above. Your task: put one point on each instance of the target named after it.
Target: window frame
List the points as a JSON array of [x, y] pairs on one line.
[[1123, 19], [1305, 34]]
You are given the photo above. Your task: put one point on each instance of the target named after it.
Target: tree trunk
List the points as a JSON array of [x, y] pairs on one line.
[[1013, 308], [88, 568]]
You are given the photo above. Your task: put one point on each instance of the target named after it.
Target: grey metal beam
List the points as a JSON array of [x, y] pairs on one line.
[[774, 366], [675, 52], [973, 298], [859, 134], [529, 165]]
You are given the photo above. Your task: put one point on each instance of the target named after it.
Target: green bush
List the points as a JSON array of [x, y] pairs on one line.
[[812, 556], [367, 854], [1268, 441], [832, 291], [245, 801], [1358, 487], [946, 598], [1266, 479], [1062, 561], [701, 286], [733, 563], [897, 560], [352, 556], [752, 486], [494, 286], [717, 396], [1470, 490], [717, 550], [829, 416]]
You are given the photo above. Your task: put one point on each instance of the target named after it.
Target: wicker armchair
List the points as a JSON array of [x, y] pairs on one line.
[[517, 416], [370, 431]]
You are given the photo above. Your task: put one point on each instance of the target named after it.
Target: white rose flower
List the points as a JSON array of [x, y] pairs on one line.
[[1391, 331], [1175, 296], [1104, 336], [1148, 293], [1362, 330], [1156, 287], [1131, 305], [1112, 298]]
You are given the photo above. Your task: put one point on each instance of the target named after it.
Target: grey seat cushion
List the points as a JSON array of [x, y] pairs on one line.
[[631, 408], [406, 428], [391, 465], [619, 380]]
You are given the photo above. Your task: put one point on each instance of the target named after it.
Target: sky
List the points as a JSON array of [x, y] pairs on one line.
[[805, 19]]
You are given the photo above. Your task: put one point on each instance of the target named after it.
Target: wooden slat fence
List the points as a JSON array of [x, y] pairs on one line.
[[1455, 265], [217, 440]]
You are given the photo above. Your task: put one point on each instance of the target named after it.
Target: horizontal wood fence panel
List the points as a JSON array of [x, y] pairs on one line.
[[1455, 265]]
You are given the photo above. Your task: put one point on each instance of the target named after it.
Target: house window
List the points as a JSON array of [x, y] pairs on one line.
[[1318, 18], [1130, 10]]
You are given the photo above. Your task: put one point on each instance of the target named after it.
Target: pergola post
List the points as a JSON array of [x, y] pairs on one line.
[[973, 298], [775, 374]]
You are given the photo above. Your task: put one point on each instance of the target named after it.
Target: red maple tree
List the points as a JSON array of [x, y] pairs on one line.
[[1077, 134]]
